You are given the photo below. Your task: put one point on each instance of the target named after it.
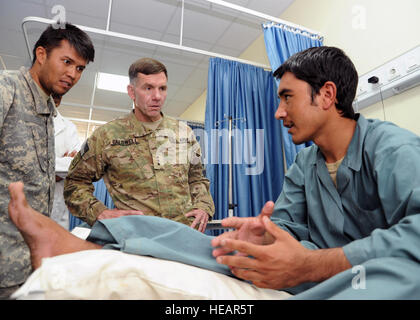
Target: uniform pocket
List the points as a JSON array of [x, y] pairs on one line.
[[130, 162]]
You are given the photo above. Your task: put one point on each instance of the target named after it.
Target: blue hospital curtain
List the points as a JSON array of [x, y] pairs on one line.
[[248, 95], [282, 42]]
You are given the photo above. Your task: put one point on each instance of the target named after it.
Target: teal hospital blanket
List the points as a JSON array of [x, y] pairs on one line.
[[157, 237]]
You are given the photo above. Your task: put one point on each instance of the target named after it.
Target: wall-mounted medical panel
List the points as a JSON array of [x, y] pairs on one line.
[[391, 78]]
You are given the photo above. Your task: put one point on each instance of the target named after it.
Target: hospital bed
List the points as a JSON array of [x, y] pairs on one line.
[[112, 274]]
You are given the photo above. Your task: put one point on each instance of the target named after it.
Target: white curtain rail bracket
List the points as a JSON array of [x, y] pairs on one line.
[[263, 16]]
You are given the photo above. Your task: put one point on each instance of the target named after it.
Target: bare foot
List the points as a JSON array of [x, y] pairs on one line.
[[44, 237]]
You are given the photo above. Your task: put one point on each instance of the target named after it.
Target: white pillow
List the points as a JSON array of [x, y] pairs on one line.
[[111, 274]]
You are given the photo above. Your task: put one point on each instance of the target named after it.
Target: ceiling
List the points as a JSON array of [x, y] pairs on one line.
[[206, 26]]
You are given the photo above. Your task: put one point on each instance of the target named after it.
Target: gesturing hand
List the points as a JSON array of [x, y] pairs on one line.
[[247, 229], [278, 265]]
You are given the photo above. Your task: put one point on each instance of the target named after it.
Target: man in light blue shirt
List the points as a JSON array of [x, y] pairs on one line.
[[349, 213]]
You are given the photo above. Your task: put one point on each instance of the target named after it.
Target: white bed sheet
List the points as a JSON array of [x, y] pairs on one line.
[[111, 274]]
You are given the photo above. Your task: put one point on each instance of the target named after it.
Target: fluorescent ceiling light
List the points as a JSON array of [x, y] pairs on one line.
[[112, 82]]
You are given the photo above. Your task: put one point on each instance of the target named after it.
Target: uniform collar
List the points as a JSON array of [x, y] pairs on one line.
[[41, 92], [140, 129], [41, 106]]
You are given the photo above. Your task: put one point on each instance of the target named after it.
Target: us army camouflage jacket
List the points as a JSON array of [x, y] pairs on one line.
[[158, 172], [27, 155]]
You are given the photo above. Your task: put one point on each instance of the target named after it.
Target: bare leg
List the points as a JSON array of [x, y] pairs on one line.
[[44, 237]]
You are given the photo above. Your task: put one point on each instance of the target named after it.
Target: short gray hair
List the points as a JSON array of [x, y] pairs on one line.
[[146, 66]]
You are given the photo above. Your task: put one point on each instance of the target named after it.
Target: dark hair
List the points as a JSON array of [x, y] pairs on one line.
[[52, 36], [321, 64], [146, 66]]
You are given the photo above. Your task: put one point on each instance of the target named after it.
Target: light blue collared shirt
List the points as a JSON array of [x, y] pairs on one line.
[[373, 212]]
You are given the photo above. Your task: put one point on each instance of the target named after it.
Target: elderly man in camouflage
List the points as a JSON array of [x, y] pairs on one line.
[[150, 162], [27, 136]]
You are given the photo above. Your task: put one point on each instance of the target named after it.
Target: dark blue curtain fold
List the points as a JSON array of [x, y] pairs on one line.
[[248, 95], [282, 42]]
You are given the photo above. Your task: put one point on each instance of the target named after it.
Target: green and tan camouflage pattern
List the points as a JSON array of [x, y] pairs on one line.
[[157, 171], [27, 155]]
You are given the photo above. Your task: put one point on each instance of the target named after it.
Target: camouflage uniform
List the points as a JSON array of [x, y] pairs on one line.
[[27, 155], [156, 171]]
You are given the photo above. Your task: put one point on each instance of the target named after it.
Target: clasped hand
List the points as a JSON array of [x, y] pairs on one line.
[[266, 255]]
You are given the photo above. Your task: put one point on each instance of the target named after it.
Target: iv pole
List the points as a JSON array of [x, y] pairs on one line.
[[231, 204]]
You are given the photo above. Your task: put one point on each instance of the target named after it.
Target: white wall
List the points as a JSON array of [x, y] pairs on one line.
[[371, 32], [388, 29]]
